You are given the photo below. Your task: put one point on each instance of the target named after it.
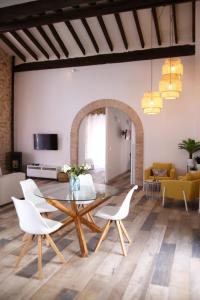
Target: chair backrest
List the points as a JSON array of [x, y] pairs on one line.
[[86, 180], [124, 208], [30, 189], [30, 219], [87, 185]]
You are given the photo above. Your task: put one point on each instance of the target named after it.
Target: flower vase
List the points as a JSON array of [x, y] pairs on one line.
[[74, 183]]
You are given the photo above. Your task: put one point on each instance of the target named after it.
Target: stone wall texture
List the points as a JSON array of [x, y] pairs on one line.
[[5, 107]]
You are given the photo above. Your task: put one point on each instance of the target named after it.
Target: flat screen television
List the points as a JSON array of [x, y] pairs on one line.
[[44, 141]]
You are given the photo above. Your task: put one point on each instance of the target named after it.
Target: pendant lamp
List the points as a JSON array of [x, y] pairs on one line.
[[151, 103], [172, 66], [170, 86]]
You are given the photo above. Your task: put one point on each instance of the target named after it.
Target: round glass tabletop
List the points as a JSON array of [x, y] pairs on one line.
[[63, 192]]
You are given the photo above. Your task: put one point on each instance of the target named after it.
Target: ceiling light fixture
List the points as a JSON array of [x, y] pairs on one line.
[[170, 84], [151, 102]]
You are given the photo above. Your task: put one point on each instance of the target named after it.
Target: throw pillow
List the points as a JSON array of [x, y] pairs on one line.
[[159, 172]]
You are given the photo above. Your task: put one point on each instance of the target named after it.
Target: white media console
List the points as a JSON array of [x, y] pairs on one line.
[[43, 171]]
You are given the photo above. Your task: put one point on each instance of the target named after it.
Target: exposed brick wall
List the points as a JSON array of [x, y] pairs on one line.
[[5, 107], [139, 135]]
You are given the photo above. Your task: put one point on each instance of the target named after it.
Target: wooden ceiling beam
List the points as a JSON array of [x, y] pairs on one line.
[[48, 41], [139, 30], [193, 20], [36, 7], [58, 39], [121, 29], [36, 43], [155, 19], [24, 44], [75, 36], [90, 34], [175, 23], [147, 54], [12, 47], [86, 12], [105, 32]]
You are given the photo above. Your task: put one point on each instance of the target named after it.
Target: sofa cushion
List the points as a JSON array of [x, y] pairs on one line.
[[10, 186], [162, 165], [159, 172], [167, 166]]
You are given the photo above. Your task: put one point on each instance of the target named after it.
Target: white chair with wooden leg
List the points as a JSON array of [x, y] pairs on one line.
[[116, 214], [33, 224], [30, 191]]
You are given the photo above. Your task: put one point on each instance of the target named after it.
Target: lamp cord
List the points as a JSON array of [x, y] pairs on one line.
[[171, 39], [151, 59]]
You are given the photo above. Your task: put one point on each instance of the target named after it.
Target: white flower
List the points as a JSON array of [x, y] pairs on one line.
[[66, 168], [87, 167]]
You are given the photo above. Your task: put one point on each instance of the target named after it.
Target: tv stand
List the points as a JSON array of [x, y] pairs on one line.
[[42, 171]]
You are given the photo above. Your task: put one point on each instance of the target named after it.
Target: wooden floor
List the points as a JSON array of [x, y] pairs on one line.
[[163, 261]]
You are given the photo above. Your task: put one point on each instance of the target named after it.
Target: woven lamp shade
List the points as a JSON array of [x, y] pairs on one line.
[[151, 103], [172, 66], [170, 86]]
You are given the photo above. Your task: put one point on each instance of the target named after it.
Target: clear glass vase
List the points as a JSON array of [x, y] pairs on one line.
[[74, 183]]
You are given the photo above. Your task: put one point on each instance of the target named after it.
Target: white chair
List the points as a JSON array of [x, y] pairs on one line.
[[30, 191], [33, 224], [86, 181], [116, 214]]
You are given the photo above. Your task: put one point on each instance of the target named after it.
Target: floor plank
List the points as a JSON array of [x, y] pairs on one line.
[[162, 262]]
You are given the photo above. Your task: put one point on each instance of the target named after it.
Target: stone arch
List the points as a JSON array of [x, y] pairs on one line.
[[139, 136]]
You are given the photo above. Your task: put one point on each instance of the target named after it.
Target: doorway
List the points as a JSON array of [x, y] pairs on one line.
[[105, 144], [138, 129]]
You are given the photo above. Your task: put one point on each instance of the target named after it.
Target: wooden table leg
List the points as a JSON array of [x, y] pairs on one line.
[[78, 218], [91, 225], [79, 230]]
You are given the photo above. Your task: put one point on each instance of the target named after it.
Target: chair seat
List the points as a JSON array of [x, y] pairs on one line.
[[52, 224], [108, 212], [44, 207]]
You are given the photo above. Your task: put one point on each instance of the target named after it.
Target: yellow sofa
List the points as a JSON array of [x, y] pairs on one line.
[[171, 171], [187, 188]]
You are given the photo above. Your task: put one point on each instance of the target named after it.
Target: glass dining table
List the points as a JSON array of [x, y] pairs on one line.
[[65, 200]]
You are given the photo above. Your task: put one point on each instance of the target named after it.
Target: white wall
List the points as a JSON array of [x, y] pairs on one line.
[[47, 101], [117, 148]]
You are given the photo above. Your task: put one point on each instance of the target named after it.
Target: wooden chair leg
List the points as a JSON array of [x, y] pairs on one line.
[[163, 197], [25, 237], [184, 197], [90, 217], [55, 248], [24, 249], [103, 235], [40, 273], [124, 231], [199, 200], [121, 238]]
